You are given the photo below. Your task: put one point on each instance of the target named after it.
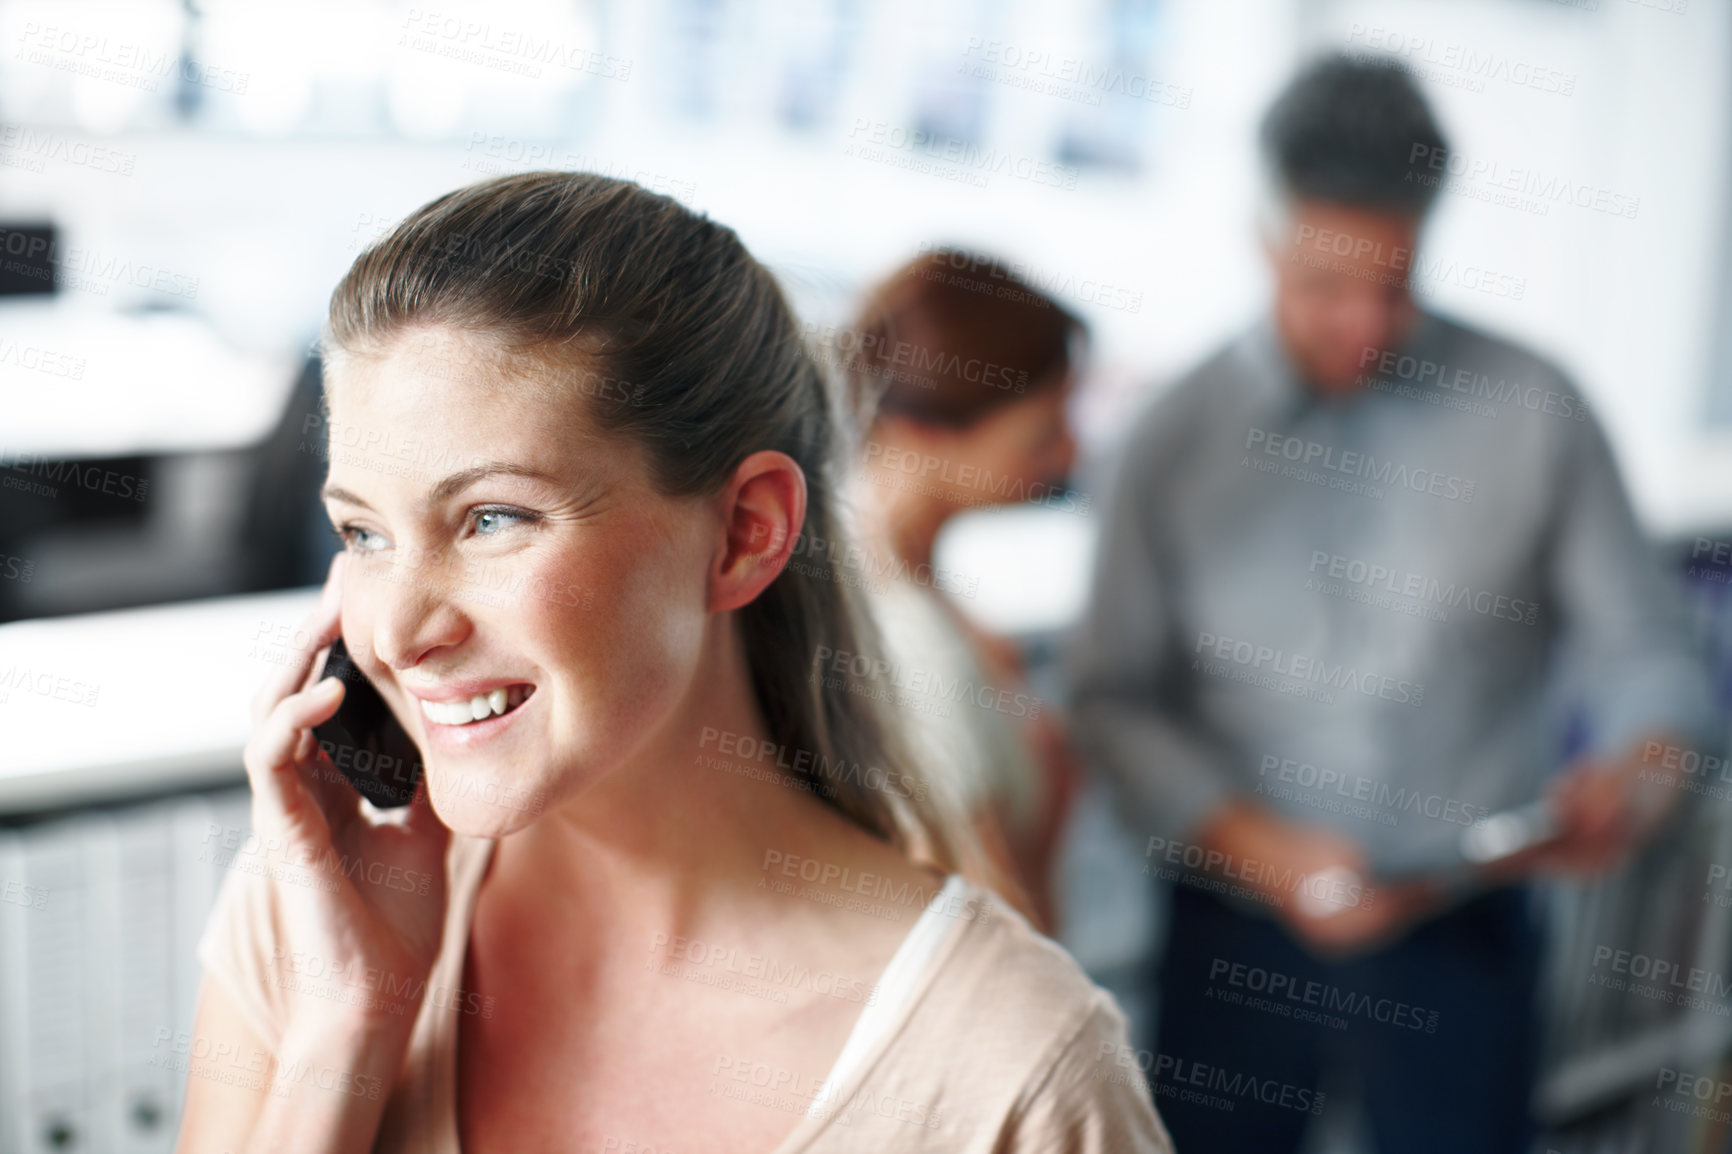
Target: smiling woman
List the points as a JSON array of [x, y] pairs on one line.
[[679, 884]]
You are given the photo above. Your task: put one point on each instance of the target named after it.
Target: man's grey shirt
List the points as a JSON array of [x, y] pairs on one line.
[[1351, 609]]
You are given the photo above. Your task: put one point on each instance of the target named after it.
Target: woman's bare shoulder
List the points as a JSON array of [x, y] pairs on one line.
[[1000, 954], [1014, 1039]]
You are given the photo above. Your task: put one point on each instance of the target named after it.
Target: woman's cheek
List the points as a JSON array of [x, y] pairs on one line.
[[653, 620], [651, 633], [551, 594], [623, 625], [356, 616]]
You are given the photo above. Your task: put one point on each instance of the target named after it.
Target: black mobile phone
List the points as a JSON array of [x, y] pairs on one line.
[[365, 740]]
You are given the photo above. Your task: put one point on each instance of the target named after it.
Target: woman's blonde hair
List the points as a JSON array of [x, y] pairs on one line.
[[674, 336]]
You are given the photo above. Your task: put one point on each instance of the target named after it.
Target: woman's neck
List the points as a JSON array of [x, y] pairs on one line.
[[903, 524]]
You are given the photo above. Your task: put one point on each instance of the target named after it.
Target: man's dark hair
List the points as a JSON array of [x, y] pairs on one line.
[[1355, 132]]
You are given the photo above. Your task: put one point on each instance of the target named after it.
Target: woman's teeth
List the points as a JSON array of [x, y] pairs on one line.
[[477, 708]]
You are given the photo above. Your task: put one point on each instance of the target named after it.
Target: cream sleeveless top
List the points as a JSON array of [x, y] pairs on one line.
[[985, 1036]]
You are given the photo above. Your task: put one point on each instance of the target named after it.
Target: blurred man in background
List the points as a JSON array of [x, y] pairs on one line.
[[1339, 561]]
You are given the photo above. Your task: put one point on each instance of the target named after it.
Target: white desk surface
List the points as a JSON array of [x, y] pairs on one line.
[[81, 381], [173, 690]]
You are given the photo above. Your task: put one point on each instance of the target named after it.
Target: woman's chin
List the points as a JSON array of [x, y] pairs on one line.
[[482, 809]]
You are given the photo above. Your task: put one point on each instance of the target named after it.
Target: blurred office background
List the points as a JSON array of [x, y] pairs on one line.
[[183, 181]]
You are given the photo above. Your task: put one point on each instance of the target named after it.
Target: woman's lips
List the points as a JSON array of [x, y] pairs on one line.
[[456, 738], [476, 708]]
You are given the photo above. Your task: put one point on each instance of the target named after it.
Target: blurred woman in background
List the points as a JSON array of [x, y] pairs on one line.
[[961, 372]]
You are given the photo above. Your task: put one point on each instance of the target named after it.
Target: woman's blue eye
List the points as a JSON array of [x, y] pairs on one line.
[[359, 540], [490, 521]]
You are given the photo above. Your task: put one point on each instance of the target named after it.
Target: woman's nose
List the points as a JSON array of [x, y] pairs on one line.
[[415, 614]]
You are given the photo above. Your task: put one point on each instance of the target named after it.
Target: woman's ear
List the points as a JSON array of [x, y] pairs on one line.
[[763, 508]]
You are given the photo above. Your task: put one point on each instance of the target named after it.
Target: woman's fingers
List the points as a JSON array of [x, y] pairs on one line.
[[326, 783], [322, 626], [270, 757]]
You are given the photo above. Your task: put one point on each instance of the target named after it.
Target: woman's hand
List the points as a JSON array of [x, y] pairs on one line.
[[362, 894]]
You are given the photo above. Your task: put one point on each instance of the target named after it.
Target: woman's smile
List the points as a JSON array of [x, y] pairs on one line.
[[462, 716]]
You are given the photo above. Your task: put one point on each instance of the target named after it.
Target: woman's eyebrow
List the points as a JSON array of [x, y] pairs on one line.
[[457, 482], [333, 493], [452, 485]]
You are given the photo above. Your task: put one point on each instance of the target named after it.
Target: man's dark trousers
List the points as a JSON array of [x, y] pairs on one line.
[[1439, 1029]]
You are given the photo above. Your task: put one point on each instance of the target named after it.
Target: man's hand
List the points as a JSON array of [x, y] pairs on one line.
[[1291, 865], [1375, 920], [1606, 810]]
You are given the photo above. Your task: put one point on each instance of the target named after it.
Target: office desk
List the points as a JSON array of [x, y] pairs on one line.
[[137, 701]]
